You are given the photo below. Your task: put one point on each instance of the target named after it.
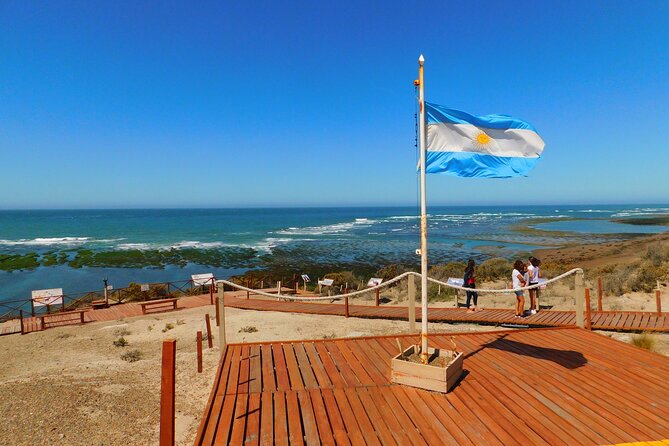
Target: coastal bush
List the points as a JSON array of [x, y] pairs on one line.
[[132, 356], [393, 270], [342, 278], [657, 254], [248, 329], [644, 340], [494, 269], [445, 270], [120, 342]]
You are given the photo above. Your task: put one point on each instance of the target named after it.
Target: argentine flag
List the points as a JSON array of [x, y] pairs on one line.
[[492, 146]]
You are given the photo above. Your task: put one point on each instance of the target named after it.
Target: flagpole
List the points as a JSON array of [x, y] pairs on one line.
[[423, 213]]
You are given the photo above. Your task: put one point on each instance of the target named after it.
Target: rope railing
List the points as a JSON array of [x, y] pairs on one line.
[[390, 282]]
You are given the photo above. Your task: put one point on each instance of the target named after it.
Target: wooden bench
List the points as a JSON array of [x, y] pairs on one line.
[[98, 304], [79, 319], [159, 303]]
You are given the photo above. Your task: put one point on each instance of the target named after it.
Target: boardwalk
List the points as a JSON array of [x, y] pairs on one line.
[[561, 386], [606, 320]]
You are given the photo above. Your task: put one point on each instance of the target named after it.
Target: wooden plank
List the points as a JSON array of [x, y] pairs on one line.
[[266, 419], [293, 368], [295, 434], [267, 364], [280, 367], [321, 416], [239, 419], [304, 365], [280, 419], [308, 418], [252, 435], [336, 422]]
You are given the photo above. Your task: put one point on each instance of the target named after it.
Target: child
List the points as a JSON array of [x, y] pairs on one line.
[[519, 282], [533, 279], [470, 282]]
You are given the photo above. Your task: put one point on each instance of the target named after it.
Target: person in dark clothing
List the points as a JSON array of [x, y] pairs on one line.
[[470, 282]]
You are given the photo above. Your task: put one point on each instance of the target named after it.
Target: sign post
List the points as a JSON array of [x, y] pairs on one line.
[[305, 279]]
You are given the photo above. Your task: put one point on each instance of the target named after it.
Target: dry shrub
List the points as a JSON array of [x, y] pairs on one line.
[[132, 356], [644, 340], [120, 342], [248, 329], [342, 278]]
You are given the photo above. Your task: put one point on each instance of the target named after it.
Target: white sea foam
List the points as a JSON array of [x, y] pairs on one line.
[[46, 241], [336, 228]]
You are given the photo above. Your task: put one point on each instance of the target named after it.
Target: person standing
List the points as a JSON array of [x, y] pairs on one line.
[[518, 281], [470, 282], [533, 279]]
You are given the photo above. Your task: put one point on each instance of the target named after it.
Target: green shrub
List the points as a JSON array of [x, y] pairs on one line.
[[341, 278]]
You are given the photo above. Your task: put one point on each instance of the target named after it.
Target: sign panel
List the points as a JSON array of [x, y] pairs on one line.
[[542, 284], [202, 279], [47, 297], [306, 278], [326, 282], [145, 287], [110, 287], [456, 281], [374, 281]]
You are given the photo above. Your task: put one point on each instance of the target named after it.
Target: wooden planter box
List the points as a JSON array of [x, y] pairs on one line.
[[429, 377]]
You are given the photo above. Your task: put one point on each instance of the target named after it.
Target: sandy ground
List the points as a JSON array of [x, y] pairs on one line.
[[69, 386]]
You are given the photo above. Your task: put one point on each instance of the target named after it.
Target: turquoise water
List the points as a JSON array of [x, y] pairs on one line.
[[293, 238]]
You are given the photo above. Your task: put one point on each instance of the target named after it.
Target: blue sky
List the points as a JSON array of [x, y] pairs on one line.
[[189, 104]]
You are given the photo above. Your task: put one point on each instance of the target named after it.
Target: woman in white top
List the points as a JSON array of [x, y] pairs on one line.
[[533, 279], [518, 281]]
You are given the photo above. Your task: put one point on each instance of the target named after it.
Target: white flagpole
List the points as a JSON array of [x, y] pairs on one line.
[[423, 213]]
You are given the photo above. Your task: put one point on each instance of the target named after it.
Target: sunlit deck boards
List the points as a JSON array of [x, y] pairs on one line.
[[554, 387]]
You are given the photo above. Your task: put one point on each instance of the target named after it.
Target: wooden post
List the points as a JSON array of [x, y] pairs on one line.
[[21, 316], [32, 307], [218, 316], [578, 298], [167, 384], [210, 341], [412, 303], [588, 319], [278, 288], [168, 289], [377, 297], [211, 292], [658, 302], [221, 327], [198, 339], [599, 294], [346, 306]]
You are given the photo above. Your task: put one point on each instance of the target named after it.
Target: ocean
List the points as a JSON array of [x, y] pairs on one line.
[[134, 243]]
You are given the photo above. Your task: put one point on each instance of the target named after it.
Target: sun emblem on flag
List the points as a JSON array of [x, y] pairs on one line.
[[482, 140]]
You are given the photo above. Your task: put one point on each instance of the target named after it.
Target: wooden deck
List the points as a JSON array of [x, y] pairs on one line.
[[606, 320], [562, 386]]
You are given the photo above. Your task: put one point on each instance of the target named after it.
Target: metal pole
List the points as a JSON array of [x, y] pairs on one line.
[[423, 212]]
